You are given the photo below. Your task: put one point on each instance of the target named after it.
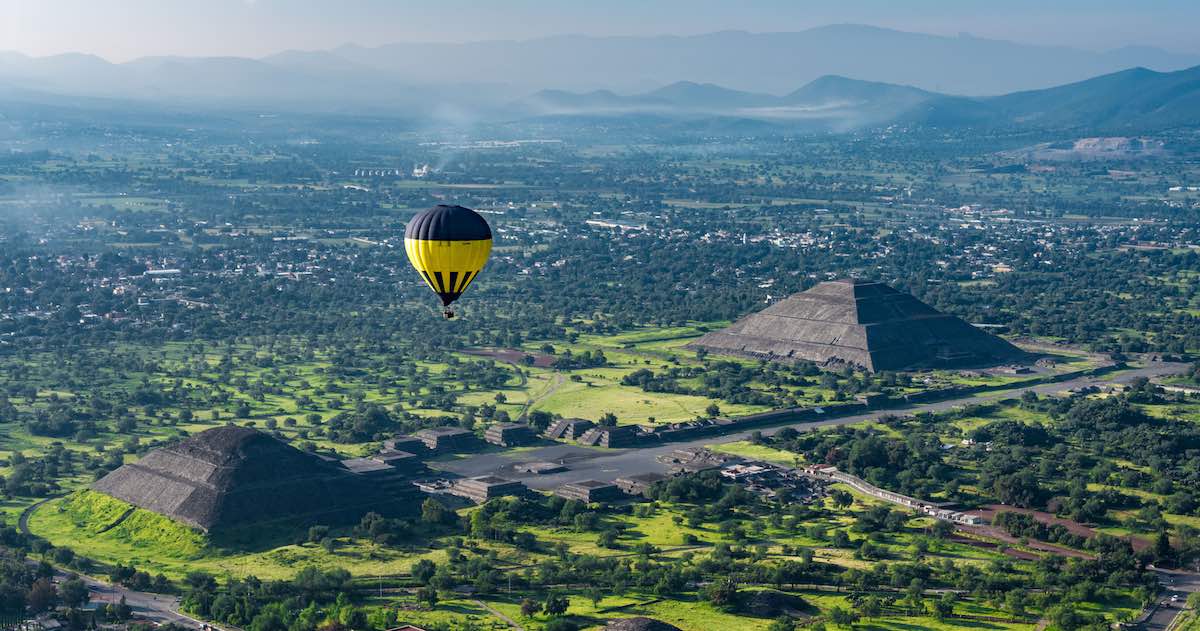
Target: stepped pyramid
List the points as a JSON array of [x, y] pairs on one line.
[[233, 476], [864, 323]]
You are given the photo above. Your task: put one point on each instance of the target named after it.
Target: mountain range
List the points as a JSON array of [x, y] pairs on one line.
[[897, 77], [754, 62], [1135, 98]]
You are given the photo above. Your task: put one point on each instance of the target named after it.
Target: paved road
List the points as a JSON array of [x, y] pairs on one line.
[[585, 463], [23, 520], [158, 608], [1179, 585]]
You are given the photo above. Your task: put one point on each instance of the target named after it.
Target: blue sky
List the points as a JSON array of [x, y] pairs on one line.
[[123, 29]]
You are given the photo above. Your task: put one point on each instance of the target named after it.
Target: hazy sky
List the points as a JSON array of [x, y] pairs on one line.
[[124, 29]]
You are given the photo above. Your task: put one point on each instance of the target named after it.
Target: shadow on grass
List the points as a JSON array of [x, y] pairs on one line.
[[892, 625], [463, 609]]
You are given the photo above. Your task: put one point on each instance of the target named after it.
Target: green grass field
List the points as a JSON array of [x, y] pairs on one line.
[[157, 544], [297, 388], [747, 449]]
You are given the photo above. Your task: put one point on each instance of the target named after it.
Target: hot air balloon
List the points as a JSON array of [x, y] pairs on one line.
[[448, 246]]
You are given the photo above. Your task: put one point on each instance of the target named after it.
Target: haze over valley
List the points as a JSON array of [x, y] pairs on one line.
[[624, 316]]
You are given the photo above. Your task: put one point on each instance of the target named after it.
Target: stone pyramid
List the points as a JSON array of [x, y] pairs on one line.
[[231, 476], [863, 323]]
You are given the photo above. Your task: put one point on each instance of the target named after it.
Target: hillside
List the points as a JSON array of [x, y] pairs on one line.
[[104, 523], [1131, 99], [1134, 99]]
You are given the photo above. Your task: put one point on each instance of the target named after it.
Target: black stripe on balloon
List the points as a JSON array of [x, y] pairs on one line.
[[441, 286], [466, 281], [427, 278], [453, 281]]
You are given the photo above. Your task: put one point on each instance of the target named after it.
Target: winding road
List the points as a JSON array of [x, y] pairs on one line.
[[1177, 585], [159, 608]]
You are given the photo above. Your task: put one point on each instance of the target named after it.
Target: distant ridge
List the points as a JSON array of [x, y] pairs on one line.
[[490, 73], [831, 101], [1136, 99], [861, 323], [772, 62], [690, 93], [836, 86], [358, 81]]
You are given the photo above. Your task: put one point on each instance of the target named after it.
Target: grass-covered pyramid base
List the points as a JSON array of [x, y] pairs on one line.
[[228, 478]]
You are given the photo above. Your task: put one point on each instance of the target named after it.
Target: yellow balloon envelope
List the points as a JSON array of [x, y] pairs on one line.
[[448, 246]]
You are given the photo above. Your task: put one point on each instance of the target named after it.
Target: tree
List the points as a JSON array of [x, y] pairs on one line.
[[529, 607], [428, 595], [871, 607], [317, 533], [42, 596], [594, 594], [63, 555], [73, 593], [433, 512], [1017, 489], [1014, 602], [915, 593], [352, 618], [423, 571], [1162, 548], [608, 419], [540, 420], [384, 618], [556, 605], [944, 606], [118, 612], [942, 529], [608, 538], [723, 594], [1067, 619], [269, 620], [782, 623], [842, 617]]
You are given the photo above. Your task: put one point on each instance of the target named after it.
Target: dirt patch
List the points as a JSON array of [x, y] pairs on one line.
[[513, 356], [990, 511], [993, 546], [1003, 538]]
